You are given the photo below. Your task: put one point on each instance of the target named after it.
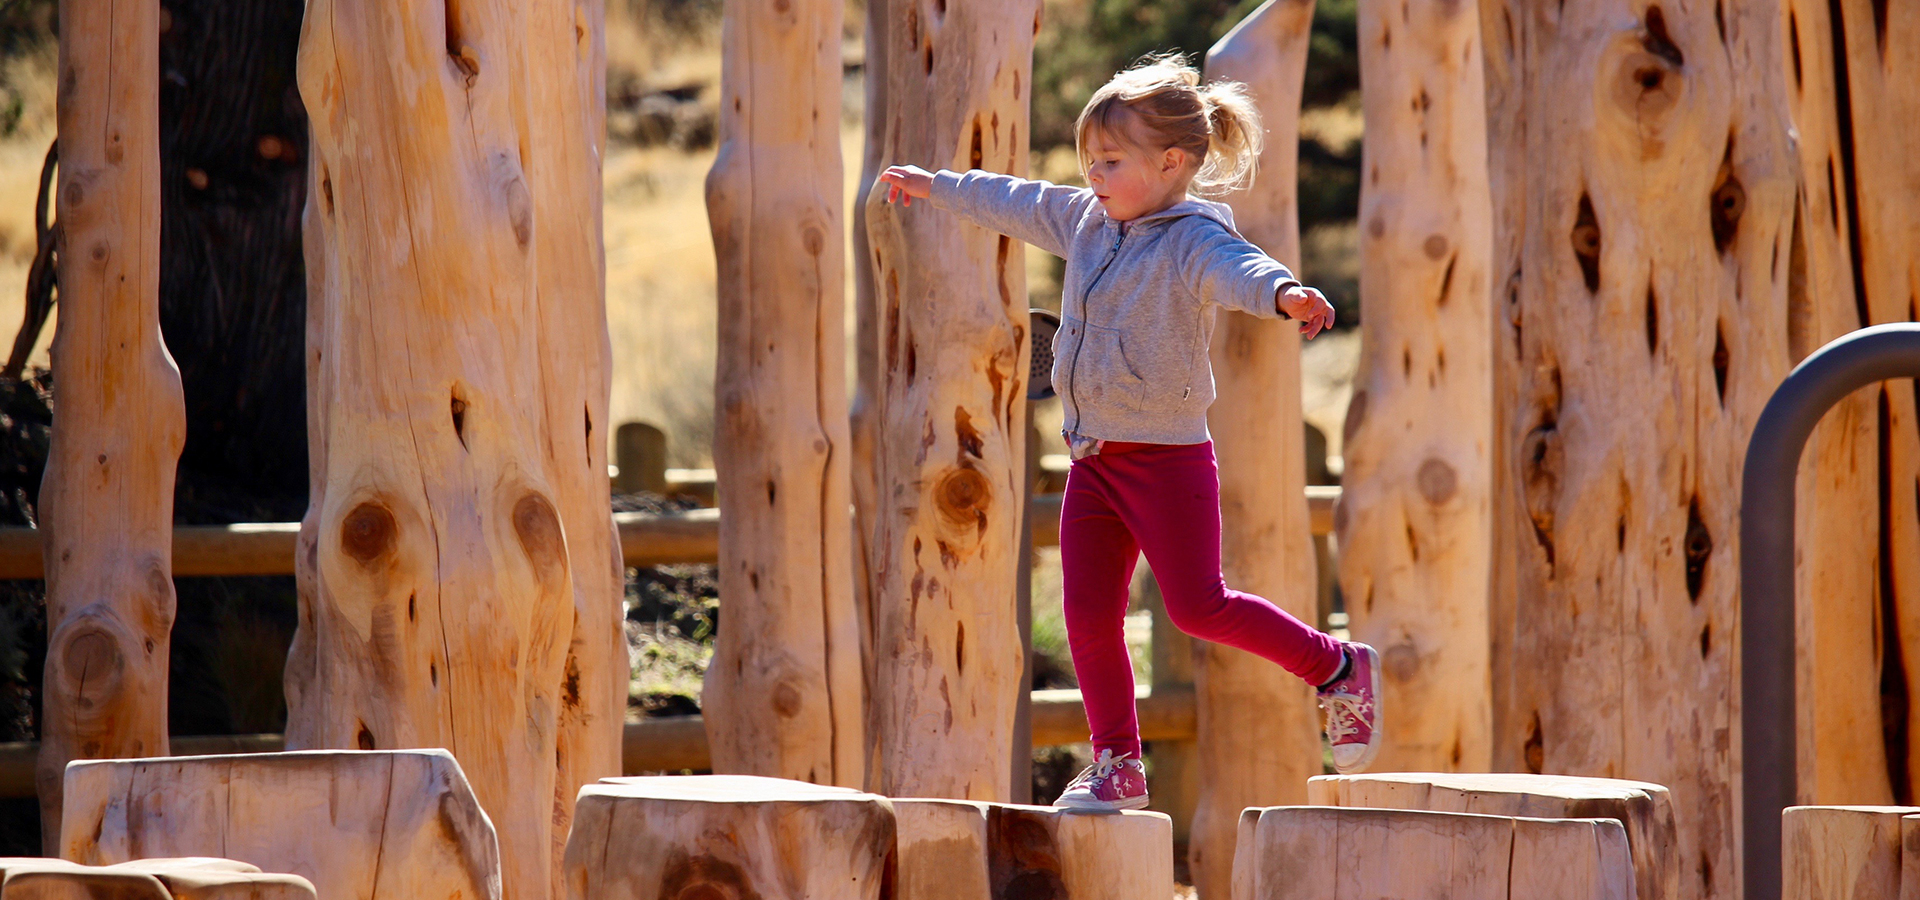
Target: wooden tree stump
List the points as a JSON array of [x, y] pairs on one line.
[[360, 826], [957, 850], [1644, 327], [460, 579], [1645, 810], [1415, 513], [783, 696], [106, 502], [208, 878], [949, 432], [1849, 852], [199, 878], [1360, 854], [698, 836], [1258, 732]]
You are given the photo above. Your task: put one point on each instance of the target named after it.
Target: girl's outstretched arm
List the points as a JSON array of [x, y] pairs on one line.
[[1224, 268], [1037, 212]]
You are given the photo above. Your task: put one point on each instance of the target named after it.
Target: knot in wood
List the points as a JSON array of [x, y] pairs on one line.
[[1437, 480], [786, 700], [963, 496], [368, 532], [1402, 661], [538, 528], [1436, 246], [91, 658]]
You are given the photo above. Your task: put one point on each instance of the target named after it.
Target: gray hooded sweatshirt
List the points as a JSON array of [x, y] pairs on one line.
[[1137, 308]]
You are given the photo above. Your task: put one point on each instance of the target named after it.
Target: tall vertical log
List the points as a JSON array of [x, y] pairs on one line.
[[1258, 734], [950, 444], [1415, 513], [106, 503], [1649, 311], [863, 409], [456, 567], [1842, 753], [783, 696]]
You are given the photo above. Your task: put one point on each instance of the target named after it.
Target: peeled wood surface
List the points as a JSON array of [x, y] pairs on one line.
[[456, 564], [950, 440], [783, 696], [359, 825], [197, 878], [1362, 854], [957, 850], [1644, 810], [1415, 527], [106, 501], [1258, 732], [727, 836], [1646, 305], [1848, 853]]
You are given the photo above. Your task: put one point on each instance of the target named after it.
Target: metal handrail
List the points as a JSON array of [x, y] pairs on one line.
[[1768, 763]]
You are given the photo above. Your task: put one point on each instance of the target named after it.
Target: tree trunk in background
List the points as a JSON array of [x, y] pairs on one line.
[[1880, 181], [107, 502], [1842, 751], [864, 408], [783, 696], [1258, 734], [1650, 316], [451, 572], [1415, 515], [950, 447]]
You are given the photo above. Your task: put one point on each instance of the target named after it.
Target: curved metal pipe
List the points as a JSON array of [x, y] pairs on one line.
[[1768, 782]]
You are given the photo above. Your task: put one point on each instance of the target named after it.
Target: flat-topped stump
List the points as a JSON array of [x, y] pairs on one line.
[[196, 878], [1325, 853], [696, 836], [964, 850], [360, 825], [1850, 852], [1643, 809]]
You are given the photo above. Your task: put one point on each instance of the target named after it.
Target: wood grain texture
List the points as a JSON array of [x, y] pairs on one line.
[[950, 443], [1416, 512], [457, 566], [1360, 854], [106, 501], [195, 878], [960, 850], [1258, 732], [1646, 307], [358, 825], [1644, 810], [783, 695], [728, 836], [1845, 853]]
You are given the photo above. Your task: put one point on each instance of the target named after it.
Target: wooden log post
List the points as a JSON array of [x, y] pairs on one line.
[[1352, 854], [640, 454], [1843, 746], [863, 409], [1415, 516], [1647, 307], [728, 836], [1645, 810], [198, 878], [950, 444], [1258, 739], [1849, 853], [458, 571], [106, 503], [959, 850], [783, 696], [360, 826]]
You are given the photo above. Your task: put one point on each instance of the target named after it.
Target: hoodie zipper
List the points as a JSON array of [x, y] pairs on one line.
[[1073, 371]]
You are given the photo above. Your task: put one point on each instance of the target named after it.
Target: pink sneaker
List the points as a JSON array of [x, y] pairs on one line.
[[1110, 784], [1353, 711]]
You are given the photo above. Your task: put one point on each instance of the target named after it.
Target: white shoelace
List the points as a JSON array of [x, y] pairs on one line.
[[1343, 715], [1101, 768]]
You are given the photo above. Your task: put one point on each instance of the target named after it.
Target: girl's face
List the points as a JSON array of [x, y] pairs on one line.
[[1131, 182]]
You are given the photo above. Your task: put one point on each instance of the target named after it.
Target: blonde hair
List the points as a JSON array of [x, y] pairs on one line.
[[1217, 125]]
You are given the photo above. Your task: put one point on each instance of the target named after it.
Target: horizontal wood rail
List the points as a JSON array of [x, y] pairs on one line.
[[672, 743], [646, 539]]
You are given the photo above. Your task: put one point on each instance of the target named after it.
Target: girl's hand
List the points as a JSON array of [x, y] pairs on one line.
[[908, 182], [1307, 306]]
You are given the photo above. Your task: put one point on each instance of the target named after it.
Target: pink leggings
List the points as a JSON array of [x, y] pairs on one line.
[[1164, 501]]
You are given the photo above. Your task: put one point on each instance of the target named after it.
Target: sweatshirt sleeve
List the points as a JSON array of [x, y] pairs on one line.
[[1222, 268], [1037, 212]]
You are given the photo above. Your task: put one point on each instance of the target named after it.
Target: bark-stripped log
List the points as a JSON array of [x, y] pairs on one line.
[[782, 697], [106, 503], [950, 445], [1842, 753], [863, 409], [1258, 739], [456, 572], [1648, 312], [956, 850], [1849, 853], [1415, 509]]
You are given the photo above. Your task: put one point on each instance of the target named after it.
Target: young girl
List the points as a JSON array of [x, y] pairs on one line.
[[1147, 264]]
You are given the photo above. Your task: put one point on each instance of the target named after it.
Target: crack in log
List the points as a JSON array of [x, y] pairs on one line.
[[1699, 548], [1586, 243]]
